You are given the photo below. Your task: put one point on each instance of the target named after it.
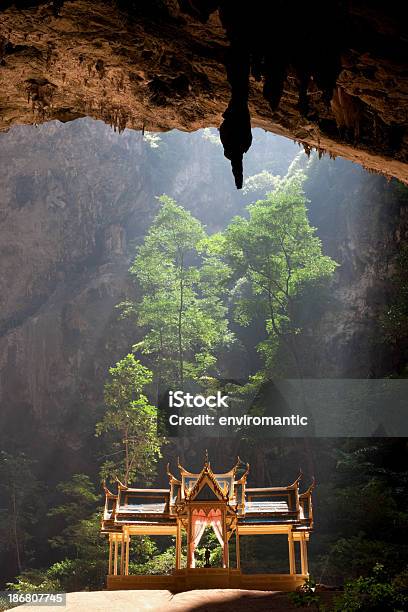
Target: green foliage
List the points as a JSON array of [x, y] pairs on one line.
[[34, 580], [77, 524], [155, 561], [86, 568], [182, 310], [306, 596], [147, 558], [20, 507], [76, 574], [401, 580], [159, 564], [80, 502], [80, 498], [143, 549], [129, 423], [84, 573], [262, 182], [275, 254], [401, 191], [353, 556], [375, 593], [394, 321], [209, 540], [366, 518]]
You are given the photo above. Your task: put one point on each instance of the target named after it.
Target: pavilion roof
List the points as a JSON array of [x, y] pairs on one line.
[[252, 505]]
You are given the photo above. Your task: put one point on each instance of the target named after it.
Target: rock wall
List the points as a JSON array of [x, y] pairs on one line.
[[69, 197], [362, 220]]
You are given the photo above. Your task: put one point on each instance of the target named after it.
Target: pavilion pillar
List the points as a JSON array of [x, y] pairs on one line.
[[237, 549], [189, 538], [178, 545], [122, 554], [303, 556], [127, 544], [225, 538], [292, 559], [115, 562], [110, 555]]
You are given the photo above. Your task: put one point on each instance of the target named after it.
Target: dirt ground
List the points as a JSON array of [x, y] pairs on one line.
[[209, 600]]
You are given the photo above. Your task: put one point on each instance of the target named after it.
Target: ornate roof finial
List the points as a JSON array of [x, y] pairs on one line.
[[105, 488], [206, 462], [311, 487], [298, 479], [120, 483], [237, 464]]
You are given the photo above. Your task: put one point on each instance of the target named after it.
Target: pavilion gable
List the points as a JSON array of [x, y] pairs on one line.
[[206, 488]]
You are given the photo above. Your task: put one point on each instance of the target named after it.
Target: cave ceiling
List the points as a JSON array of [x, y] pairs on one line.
[[330, 75]]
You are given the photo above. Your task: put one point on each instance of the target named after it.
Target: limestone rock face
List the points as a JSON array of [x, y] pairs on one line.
[[331, 75], [64, 252], [362, 220]]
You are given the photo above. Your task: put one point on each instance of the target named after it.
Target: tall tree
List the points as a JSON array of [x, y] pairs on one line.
[[181, 311], [130, 423], [275, 254], [79, 501], [19, 506]]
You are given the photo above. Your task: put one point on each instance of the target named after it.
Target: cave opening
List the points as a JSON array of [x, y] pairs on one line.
[[87, 213]]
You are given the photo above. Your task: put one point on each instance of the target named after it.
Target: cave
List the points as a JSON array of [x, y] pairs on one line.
[[247, 125]]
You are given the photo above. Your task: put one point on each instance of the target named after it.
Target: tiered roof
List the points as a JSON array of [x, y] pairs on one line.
[[246, 506]]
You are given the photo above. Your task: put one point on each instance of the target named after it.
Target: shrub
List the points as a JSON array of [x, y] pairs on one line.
[[306, 596], [375, 593], [34, 580]]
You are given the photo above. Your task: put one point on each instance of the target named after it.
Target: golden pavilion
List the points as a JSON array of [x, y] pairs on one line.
[[194, 501]]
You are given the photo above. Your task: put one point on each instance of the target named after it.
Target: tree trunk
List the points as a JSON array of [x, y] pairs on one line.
[[180, 323], [15, 532], [291, 347], [126, 441]]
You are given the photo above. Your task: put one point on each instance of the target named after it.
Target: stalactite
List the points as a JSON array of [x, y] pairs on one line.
[[308, 149], [260, 45], [235, 130]]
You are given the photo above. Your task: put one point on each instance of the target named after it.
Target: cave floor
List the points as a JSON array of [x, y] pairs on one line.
[[209, 600]]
